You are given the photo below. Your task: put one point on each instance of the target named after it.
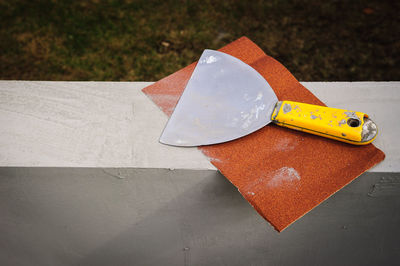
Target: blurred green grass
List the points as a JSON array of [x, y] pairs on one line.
[[144, 40]]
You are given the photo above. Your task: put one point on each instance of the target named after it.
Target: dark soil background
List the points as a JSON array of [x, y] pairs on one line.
[[144, 40]]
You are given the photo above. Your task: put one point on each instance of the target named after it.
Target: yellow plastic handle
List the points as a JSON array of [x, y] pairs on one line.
[[343, 125]]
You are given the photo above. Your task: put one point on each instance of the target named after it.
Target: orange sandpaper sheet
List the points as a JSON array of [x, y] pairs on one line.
[[281, 172]]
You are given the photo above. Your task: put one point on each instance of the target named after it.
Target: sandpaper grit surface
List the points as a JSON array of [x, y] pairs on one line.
[[283, 173]]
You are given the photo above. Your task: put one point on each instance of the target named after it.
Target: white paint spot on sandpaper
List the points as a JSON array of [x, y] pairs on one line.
[[214, 159], [285, 144], [283, 176]]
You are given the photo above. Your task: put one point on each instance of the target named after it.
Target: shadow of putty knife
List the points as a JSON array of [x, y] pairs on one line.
[[226, 99]]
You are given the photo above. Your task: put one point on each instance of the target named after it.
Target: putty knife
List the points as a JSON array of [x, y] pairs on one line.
[[226, 99]]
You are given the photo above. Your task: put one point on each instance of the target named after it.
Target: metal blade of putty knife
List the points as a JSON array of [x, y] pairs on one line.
[[224, 99]]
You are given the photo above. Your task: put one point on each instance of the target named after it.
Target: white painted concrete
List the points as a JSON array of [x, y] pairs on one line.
[[85, 124], [113, 124]]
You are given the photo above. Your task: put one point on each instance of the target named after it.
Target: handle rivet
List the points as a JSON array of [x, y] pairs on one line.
[[352, 122]]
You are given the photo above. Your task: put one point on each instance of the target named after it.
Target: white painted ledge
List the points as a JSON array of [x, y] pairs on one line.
[[113, 124], [85, 124]]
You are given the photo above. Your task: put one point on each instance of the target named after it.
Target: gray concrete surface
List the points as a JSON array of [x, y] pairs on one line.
[[93, 216]]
